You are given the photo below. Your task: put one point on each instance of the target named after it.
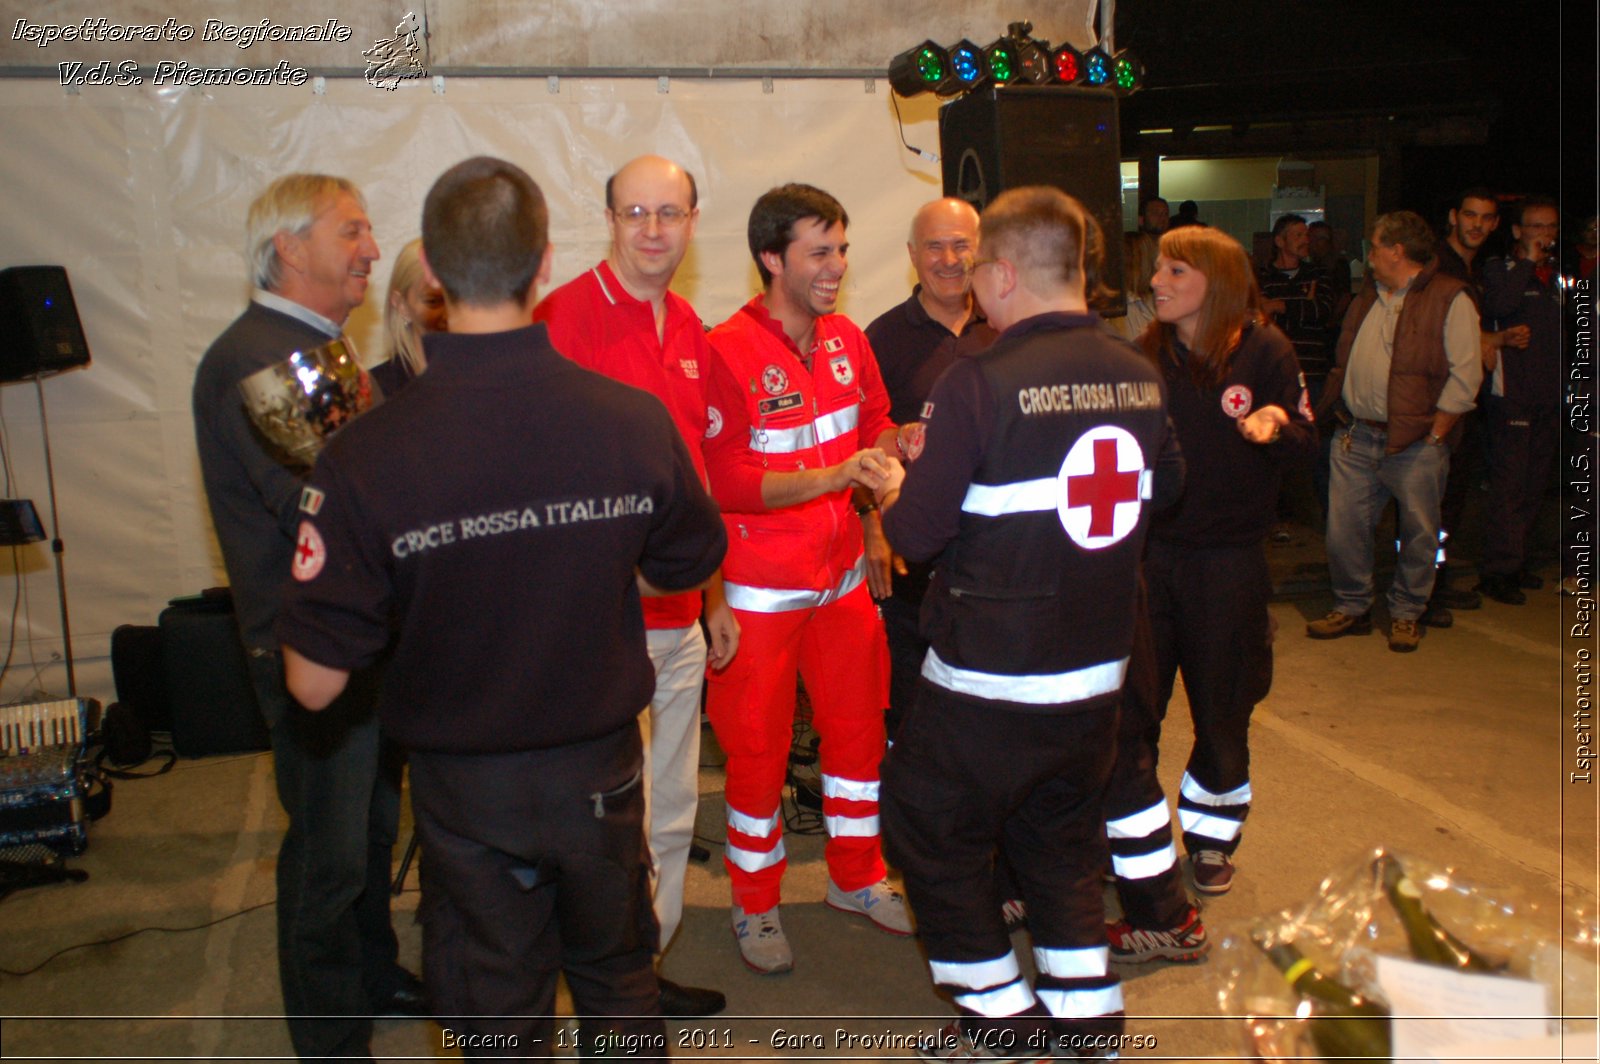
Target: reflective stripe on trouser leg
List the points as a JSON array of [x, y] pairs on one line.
[[751, 706], [1211, 821], [988, 988], [1076, 985], [844, 662], [1141, 843]]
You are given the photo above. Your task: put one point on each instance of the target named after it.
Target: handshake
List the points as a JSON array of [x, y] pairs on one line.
[[872, 469]]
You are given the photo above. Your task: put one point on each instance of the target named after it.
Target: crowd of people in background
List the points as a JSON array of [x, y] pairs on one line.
[[988, 533]]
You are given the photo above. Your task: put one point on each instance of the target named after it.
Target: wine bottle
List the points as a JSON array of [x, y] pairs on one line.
[[1430, 942], [1343, 1023]]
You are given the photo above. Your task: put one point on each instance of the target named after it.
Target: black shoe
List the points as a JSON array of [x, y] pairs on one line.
[[1502, 589], [1453, 599], [689, 1001], [1529, 581], [1436, 616], [410, 998]]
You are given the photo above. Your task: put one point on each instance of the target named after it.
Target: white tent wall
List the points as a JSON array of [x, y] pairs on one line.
[[141, 194]]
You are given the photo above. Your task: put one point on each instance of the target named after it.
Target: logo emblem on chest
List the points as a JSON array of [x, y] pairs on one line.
[[1236, 401], [843, 372], [774, 380]]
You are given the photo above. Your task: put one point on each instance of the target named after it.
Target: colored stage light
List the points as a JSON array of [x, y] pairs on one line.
[[1034, 63], [1127, 73], [1001, 60], [1096, 67], [967, 68], [1069, 64], [918, 70]]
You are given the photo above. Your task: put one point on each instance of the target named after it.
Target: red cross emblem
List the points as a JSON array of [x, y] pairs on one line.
[[1236, 401], [309, 553], [774, 380], [1099, 487]]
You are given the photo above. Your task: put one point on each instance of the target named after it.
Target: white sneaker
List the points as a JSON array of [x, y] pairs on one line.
[[880, 903], [762, 943]]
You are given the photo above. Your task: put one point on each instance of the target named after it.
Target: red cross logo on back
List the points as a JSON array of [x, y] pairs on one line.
[[1102, 489]]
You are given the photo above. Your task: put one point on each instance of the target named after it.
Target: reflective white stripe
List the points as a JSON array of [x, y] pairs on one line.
[[1046, 690], [782, 441], [803, 437], [781, 600], [1025, 496], [746, 824], [1082, 1004], [1212, 827], [851, 827], [832, 426], [1145, 865], [849, 790], [1072, 963], [976, 974], [1138, 825], [1192, 790], [1007, 1001], [753, 860]]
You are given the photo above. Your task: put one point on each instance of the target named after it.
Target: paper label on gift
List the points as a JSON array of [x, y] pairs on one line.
[[1442, 1016]]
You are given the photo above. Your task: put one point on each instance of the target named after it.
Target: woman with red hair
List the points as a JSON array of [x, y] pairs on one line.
[[1237, 400]]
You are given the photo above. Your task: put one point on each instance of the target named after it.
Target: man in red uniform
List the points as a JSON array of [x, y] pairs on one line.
[[620, 319], [799, 417]]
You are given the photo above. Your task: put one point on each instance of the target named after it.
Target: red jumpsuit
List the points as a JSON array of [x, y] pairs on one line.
[[796, 580]]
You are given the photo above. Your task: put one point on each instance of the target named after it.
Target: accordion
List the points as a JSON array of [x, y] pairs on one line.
[[41, 775]]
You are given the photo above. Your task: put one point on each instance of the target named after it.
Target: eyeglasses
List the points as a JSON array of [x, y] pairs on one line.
[[1540, 225], [973, 264], [667, 217]]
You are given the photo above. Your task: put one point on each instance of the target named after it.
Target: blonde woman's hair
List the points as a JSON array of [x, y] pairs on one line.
[[404, 338]]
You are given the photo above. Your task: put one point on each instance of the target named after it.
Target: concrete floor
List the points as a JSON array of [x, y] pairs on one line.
[[1457, 753]]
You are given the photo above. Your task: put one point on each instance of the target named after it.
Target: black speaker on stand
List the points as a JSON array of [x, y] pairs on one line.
[[1061, 135], [40, 336]]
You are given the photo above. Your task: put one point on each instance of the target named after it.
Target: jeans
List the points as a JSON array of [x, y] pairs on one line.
[[340, 787], [1362, 480]]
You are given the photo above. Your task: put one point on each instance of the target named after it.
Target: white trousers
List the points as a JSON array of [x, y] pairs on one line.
[[671, 732]]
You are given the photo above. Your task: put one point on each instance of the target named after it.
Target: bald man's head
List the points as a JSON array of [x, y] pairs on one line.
[[944, 237], [651, 209]]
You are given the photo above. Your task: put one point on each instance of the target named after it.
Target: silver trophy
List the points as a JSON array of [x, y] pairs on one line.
[[302, 401]]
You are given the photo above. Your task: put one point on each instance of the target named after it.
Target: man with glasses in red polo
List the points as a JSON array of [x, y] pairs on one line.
[[620, 319]]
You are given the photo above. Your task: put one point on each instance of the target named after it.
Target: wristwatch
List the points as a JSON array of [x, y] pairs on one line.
[[1435, 439]]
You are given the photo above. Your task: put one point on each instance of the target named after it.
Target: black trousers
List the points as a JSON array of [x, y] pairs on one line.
[[534, 864], [964, 778], [1138, 823], [1522, 452], [1208, 618]]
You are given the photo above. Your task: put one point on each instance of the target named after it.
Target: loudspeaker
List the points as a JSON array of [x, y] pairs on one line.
[[1061, 135], [39, 327]]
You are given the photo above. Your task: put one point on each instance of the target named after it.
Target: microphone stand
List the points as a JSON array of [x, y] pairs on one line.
[[57, 546]]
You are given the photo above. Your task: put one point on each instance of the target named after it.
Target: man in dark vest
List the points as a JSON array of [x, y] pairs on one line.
[[1043, 459], [1406, 368]]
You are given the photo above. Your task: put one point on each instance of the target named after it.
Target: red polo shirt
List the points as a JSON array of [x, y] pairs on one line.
[[595, 322]]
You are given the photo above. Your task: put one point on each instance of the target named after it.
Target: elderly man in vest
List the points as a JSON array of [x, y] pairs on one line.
[[1406, 368]]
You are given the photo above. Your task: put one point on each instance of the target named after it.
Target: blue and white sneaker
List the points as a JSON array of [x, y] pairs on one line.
[[762, 943], [880, 903]]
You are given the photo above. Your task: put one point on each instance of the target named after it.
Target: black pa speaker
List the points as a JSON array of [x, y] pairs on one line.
[[39, 327], [1061, 135]]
